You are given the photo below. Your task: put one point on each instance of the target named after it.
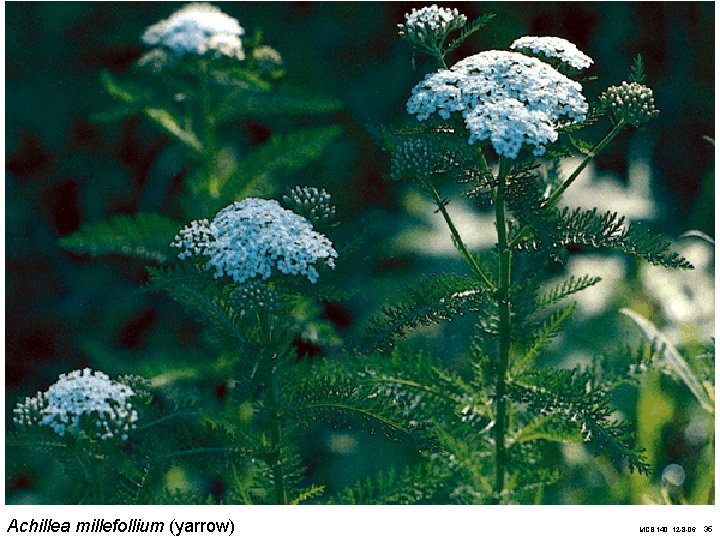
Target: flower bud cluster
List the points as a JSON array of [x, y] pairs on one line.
[[255, 295], [310, 202], [553, 47], [247, 239], [413, 155], [199, 29], [268, 59], [505, 97], [83, 403], [630, 102], [429, 26]]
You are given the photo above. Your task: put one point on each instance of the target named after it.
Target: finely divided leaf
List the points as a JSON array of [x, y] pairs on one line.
[[569, 394], [144, 235], [281, 154], [469, 30], [435, 298]]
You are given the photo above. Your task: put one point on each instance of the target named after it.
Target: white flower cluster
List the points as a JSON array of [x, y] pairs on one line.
[[431, 24], [553, 47], [84, 403], [506, 97], [247, 239], [632, 102], [200, 29]]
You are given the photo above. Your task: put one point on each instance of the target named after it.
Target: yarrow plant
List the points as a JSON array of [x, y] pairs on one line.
[[83, 403], [630, 102], [504, 402], [248, 272]]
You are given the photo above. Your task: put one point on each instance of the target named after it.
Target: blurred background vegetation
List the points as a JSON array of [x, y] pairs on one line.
[[62, 170]]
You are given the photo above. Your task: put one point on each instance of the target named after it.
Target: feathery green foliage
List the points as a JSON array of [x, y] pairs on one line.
[[144, 235], [435, 298], [280, 154], [414, 485]]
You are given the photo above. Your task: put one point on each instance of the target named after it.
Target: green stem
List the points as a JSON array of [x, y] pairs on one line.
[[503, 298], [595, 151]]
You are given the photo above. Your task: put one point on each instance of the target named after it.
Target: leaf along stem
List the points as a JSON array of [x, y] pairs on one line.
[[595, 151], [457, 240]]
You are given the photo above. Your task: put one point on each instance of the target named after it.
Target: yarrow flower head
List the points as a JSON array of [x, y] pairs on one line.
[[247, 239], [553, 47], [505, 97], [430, 25], [84, 403], [199, 29], [631, 102]]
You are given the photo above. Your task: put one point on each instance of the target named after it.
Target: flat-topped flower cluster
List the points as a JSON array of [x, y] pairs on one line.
[[247, 239], [83, 403], [199, 29], [505, 97]]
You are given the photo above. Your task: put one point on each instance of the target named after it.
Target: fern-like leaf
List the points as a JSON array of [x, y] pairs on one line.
[[567, 288], [165, 121], [469, 30], [281, 154], [435, 298], [144, 235], [412, 486], [547, 330], [136, 101], [340, 400], [570, 394], [204, 298]]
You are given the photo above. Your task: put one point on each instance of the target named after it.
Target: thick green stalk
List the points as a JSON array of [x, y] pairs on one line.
[[503, 299], [588, 158]]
